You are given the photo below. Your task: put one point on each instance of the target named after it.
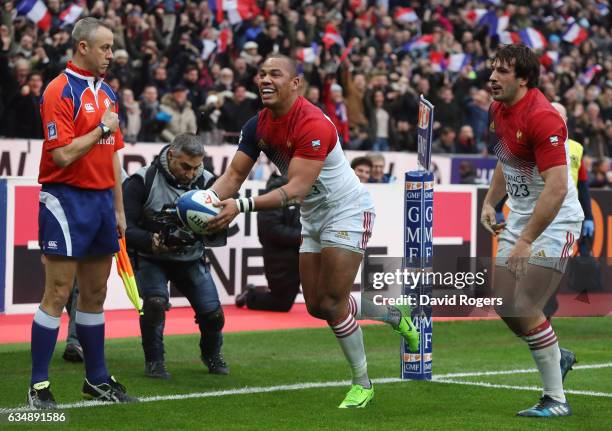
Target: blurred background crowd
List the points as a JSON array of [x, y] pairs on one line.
[[191, 66]]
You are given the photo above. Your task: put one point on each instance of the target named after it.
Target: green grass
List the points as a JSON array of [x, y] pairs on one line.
[[312, 355]]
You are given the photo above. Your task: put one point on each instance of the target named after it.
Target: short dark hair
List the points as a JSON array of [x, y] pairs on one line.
[[189, 144], [446, 130], [190, 67], [525, 61], [290, 62], [358, 161], [35, 73]]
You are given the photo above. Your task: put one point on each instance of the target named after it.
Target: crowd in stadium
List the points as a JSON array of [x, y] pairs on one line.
[[191, 66]]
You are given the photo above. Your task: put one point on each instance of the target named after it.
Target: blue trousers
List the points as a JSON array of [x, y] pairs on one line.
[[194, 281]]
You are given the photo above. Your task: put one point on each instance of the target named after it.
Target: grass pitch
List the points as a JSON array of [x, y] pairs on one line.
[[269, 371]]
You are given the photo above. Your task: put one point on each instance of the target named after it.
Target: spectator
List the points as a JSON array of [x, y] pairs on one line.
[[225, 81], [378, 175], [336, 109], [445, 144], [599, 174], [478, 116], [131, 118], [355, 86], [251, 54], [26, 47], [153, 119], [244, 74], [23, 117], [196, 94], [448, 112], [271, 41], [380, 123], [313, 94], [363, 168], [160, 80], [235, 112], [466, 143], [182, 117], [121, 69]]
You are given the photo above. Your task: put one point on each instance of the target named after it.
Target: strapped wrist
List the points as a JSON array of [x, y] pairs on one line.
[[245, 205]]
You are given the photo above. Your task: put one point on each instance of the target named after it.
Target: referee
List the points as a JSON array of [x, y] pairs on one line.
[[81, 211]]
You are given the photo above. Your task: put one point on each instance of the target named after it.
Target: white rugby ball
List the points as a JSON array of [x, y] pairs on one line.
[[195, 209]]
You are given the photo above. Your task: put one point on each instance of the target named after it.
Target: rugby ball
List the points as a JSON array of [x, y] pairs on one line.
[[195, 209]]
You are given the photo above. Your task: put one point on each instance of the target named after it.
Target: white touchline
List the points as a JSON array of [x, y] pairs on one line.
[[442, 378], [518, 371], [522, 388]]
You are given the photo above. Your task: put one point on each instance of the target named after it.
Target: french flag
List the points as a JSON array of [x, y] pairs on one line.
[[532, 38], [476, 16], [307, 55], [71, 14], [575, 34], [421, 42], [456, 62], [509, 38], [497, 24], [587, 77], [332, 37], [553, 56], [438, 63], [237, 10], [405, 15], [222, 41], [208, 47], [37, 12]]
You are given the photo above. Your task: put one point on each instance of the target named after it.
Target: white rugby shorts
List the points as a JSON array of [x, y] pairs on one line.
[[346, 224], [551, 249]]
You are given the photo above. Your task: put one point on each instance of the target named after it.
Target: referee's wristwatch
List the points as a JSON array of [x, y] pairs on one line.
[[106, 132]]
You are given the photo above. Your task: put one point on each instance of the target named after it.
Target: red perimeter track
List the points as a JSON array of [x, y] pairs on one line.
[[16, 328]]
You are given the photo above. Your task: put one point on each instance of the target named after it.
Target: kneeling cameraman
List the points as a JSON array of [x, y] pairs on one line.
[[162, 251]]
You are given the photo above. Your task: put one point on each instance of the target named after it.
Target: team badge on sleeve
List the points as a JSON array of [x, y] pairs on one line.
[[316, 144], [51, 130], [554, 140]]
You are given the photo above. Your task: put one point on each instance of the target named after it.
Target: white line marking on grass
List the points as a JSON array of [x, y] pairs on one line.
[[443, 378], [521, 388], [240, 391], [518, 371]]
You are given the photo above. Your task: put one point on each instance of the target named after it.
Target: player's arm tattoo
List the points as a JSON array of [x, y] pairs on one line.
[[285, 201], [284, 197]]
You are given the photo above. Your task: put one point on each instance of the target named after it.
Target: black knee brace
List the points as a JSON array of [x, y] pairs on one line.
[[212, 321], [154, 310]]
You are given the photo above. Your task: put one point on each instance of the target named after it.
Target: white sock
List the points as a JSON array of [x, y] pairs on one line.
[[544, 348], [349, 335], [383, 313]]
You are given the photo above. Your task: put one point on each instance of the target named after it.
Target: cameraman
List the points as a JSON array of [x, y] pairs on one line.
[[163, 252]]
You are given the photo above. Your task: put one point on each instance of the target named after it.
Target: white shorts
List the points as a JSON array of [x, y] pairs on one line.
[[347, 224], [551, 249]]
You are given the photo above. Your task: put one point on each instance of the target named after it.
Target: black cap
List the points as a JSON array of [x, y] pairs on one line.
[[179, 87]]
